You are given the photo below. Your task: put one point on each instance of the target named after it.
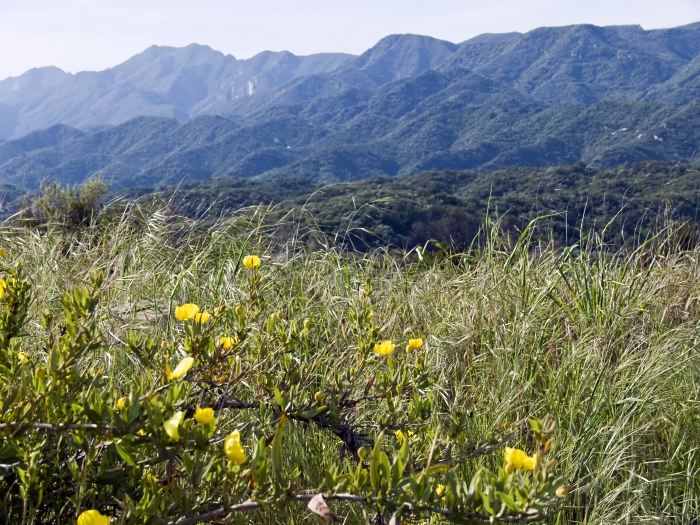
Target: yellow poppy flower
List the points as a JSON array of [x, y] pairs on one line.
[[400, 436], [23, 358], [233, 449], [414, 344], [172, 425], [251, 262], [384, 348], [227, 342], [180, 370], [204, 416], [121, 403], [186, 312], [93, 517], [518, 459], [202, 317]]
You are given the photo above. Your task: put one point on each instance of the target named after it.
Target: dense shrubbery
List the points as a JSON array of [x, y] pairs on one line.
[[154, 374]]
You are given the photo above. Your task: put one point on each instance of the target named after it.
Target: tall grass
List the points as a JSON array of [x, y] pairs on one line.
[[606, 343]]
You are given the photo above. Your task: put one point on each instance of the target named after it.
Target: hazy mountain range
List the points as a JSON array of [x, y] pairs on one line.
[[552, 96]]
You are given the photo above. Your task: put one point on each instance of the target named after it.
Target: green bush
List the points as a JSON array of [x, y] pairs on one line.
[[229, 413]]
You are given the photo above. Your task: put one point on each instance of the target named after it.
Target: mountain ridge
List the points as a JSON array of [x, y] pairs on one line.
[[551, 96]]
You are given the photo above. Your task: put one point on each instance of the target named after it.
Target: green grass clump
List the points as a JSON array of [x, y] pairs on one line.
[[601, 350]]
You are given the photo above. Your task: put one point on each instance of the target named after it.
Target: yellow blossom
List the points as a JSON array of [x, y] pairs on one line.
[[204, 416], [93, 517], [440, 490], [23, 358], [518, 459], [172, 425], [121, 403], [202, 317], [401, 436], [414, 344], [180, 370], [3, 285], [384, 348], [151, 478], [186, 312], [227, 342], [251, 262], [233, 449]]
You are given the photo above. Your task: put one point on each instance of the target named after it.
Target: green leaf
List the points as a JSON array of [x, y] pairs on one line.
[[124, 454]]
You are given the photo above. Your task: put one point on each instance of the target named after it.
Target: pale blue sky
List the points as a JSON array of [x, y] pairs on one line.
[[94, 34]]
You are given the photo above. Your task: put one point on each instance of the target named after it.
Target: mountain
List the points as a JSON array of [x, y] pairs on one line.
[[161, 81], [553, 96]]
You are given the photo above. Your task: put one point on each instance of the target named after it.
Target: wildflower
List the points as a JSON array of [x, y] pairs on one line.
[[233, 449], [151, 478], [384, 348], [518, 459], [239, 311], [201, 318], [414, 344], [440, 490], [171, 425], [23, 358], [186, 312], [307, 324], [3, 285], [319, 397], [227, 342], [401, 436], [93, 517], [180, 370], [251, 262], [204, 416], [121, 403]]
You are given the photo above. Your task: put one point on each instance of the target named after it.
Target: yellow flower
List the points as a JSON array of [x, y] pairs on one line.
[[401, 437], [384, 348], [204, 416], [414, 344], [202, 317], [180, 370], [518, 459], [121, 403], [227, 342], [251, 262], [93, 517], [23, 358], [440, 490], [186, 312], [3, 285], [233, 449], [171, 425]]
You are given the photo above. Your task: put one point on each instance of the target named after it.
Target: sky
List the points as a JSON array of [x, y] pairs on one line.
[[78, 35]]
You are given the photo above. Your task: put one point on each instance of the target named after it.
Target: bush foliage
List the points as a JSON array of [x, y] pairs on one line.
[[155, 372]]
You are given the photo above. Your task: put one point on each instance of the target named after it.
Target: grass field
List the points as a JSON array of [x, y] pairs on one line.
[[605, 344]]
